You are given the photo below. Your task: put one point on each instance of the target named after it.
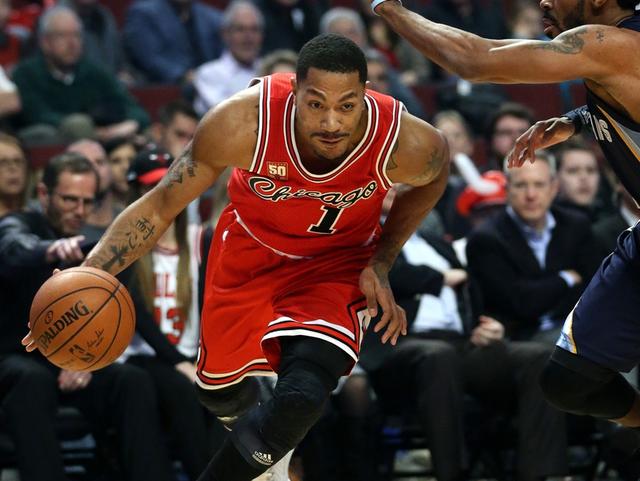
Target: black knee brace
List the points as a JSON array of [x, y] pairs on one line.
[[579, 386], [309, 371], [231, 402]]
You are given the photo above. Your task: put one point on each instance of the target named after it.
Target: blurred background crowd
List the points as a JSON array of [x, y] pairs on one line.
[[97, 97]]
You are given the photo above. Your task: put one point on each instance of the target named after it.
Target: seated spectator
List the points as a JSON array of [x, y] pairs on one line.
[[278, 61], [451, 351], [65, 96], [347, 22], [168, 39], [101, 37], [104, 210], [532, 261], [11, 44], [289, 24], [9, 98], [479, 206], [242, 27], [164, 288], [119, 396], [526, 21], [120, 153], [578, 178], [14, 175], [506, 124]]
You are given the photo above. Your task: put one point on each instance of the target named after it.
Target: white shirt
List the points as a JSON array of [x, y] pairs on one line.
[[6, 85], [219, 79], [434, 312]]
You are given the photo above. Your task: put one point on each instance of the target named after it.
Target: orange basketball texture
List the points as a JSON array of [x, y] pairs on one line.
[[82, 319]]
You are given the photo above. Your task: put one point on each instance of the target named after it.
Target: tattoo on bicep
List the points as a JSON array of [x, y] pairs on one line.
[[434, 164], [185, 162], [569, 43], [392, 164], [600, 35]]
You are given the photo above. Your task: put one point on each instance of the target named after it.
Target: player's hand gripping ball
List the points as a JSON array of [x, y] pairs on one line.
[[82, 319]]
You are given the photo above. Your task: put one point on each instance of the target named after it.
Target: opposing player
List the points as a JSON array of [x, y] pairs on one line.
[[598, 41], [298, 264]]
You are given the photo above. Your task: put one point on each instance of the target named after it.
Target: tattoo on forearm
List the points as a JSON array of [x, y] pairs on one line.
[[569, 43], [123, 245], [600, 35], [182, 163]]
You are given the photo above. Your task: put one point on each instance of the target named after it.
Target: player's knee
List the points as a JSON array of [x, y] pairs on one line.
[[300, 396], [232, 401]]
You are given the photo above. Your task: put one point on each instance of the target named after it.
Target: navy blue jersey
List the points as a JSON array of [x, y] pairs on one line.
[[617, 134]]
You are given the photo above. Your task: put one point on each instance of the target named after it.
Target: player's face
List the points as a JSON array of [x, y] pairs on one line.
[[579, 177], [530, 191], [330, 107], [13, 170], [562, 15], [70, 202]]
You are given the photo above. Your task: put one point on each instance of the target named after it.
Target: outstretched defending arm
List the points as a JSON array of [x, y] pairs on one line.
[[590, 51]]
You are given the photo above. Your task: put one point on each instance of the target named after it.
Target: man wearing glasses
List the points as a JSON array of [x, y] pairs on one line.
[[32, 245]]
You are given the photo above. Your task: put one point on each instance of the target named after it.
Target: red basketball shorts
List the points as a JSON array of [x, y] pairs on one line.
[[253, 296]]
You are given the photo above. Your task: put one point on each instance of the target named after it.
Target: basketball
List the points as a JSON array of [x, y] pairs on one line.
[[82, 319]]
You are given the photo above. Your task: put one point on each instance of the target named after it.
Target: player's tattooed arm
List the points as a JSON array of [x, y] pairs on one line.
[[185, 163], [571, 42], [124, 246], [438, 157]]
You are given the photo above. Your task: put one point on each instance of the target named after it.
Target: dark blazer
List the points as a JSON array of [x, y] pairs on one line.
[[607, 230], [515, 289], [159, 44]]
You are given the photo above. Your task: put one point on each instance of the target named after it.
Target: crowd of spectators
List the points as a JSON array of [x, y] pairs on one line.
[[487, 280]]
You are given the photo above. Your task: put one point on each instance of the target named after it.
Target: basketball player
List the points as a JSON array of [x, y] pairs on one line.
[[596, 40], [298, 264]]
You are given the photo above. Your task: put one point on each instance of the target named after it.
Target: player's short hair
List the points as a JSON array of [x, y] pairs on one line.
[[67, 162], [167, 112], [332, 53]]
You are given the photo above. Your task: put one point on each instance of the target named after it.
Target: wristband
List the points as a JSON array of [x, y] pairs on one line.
[[375, 3], [576, 117]]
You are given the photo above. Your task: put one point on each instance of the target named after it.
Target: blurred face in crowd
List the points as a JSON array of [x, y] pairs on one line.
[[70, 202], [457, 136], [120, 159], [5, 10], [13, 170], [530, 191], [61, 43], [347, 28], [378, 77], [579, 176], [175, 136], [527, 23], [243, 36], [95, 153], [506, 131], [283, 67], [329, 113]]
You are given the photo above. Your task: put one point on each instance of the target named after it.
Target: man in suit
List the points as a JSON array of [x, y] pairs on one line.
[[451, 351], [533, 260], [168, 39]]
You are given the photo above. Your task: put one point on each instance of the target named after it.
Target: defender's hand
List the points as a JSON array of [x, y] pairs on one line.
[[375, 3], [374, 284], [539, 136]]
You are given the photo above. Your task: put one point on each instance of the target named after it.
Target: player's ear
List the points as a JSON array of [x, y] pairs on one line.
[[367, 85], [598, 4], [43, 194], [294, 85]]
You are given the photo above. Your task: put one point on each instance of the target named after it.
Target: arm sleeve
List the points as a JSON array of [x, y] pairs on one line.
[[579, 117]]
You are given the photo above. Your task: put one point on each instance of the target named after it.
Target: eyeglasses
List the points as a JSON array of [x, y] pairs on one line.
[[7, 162], [71, 202]]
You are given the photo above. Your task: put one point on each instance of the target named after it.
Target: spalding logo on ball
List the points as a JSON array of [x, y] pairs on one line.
[[82, 319]]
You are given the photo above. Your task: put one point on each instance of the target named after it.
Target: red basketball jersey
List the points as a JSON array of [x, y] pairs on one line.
[[300, 214]]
